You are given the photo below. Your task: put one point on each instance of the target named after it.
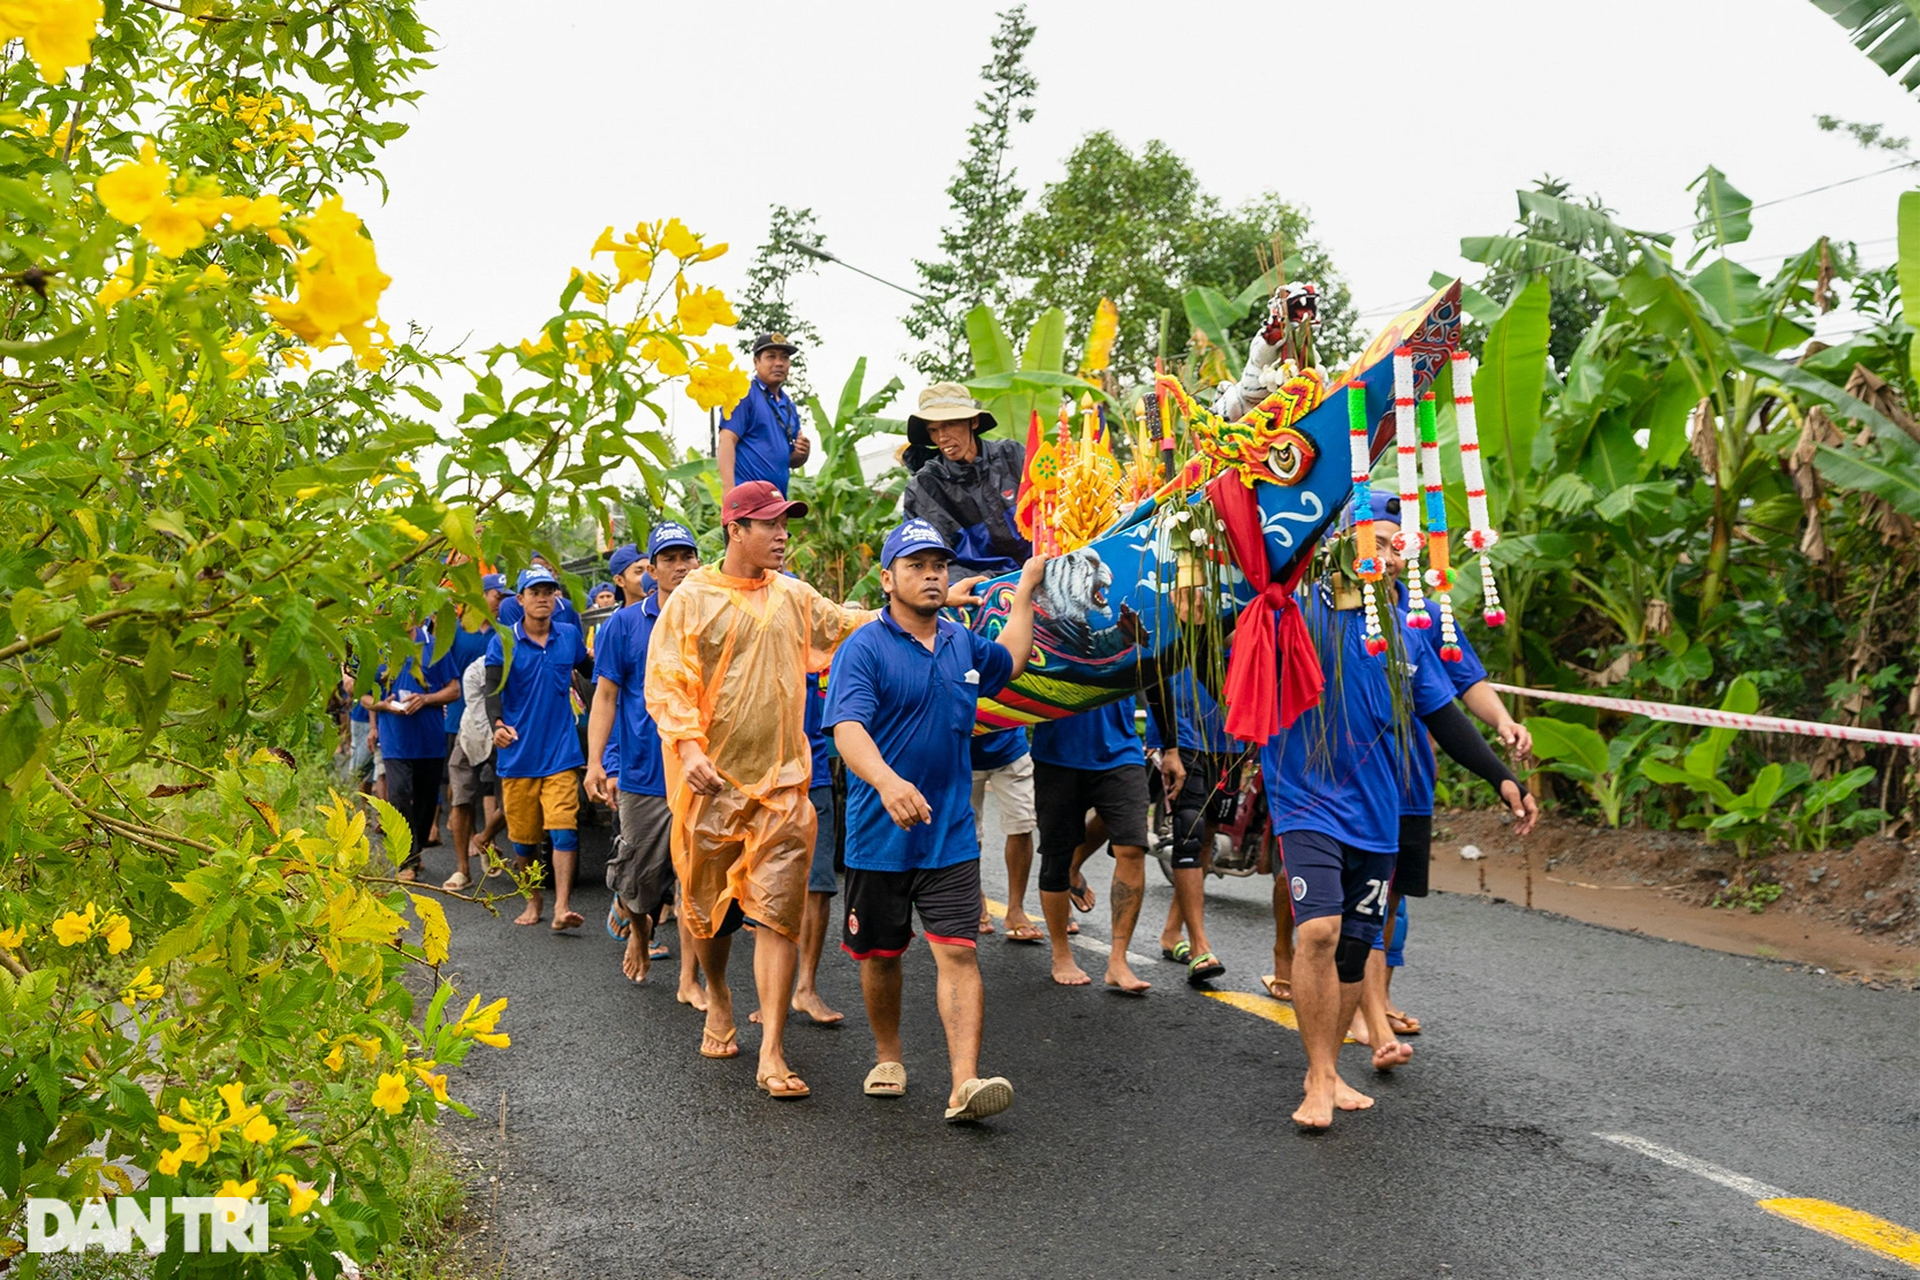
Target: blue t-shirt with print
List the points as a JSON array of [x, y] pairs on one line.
[[467, 646], [918, 705], [1337, 770], [422, 735]]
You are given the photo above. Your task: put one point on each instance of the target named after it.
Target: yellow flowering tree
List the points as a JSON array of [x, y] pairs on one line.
[[215, 491]]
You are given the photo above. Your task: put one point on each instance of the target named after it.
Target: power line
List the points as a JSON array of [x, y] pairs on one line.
[[1514, 272], [816, 251]]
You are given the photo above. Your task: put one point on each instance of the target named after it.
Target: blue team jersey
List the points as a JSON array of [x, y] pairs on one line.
[[537, 702], [1097, 740], [1416, 797], [1336, 771], [620, 655], [816, 732], [919, 707], [422, 735], [766, 422], [467, 645]]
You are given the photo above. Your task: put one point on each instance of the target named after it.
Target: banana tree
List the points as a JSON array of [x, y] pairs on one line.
[[846, 511], [1888, 31], [1012, 388]]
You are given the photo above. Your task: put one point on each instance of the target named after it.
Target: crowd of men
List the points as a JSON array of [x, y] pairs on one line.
[[695, 711]]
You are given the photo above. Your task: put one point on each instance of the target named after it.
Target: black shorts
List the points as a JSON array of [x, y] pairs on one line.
[[1411, 871], [880, 904], [1062, 796]]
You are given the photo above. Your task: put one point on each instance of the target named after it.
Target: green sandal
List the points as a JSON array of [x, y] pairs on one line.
[[1178, 953], [1204, 967]]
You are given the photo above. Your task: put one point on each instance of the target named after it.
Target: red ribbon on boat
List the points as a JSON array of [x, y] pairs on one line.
[[1266, 651]]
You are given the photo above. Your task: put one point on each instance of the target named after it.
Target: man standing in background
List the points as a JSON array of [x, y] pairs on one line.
[[761, 439]]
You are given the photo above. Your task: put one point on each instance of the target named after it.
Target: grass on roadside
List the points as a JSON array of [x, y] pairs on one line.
[[434, 1220]]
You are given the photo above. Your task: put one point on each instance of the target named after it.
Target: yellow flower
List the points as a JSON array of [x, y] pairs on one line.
[[173, 229], [143, 987], [135, 189], [701, 309], [391, 1093], [260, 211], [665, 356], [58, 33], [72, 929], [412, 530], [437, 1083], [339, 280], [479, 1023], [239, 1190], [631, 258], [299, 1198], [12, 936], [434, 933], [678, 241], [170, 1162], [118, 933], [716, 383], [336, 1059], [259, 1129], [369, 1047]]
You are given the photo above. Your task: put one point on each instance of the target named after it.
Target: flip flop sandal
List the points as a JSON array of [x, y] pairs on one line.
[[981, 1098], [458, 882], [1204, 967], [1081, 895], [658, 951], [613, 920], [1179, 953], [727, 1042], [1269, 982], [1073, 928], [986, 928], [887, 1080], [1403, 1024], [1028, 932], [786, 1080]]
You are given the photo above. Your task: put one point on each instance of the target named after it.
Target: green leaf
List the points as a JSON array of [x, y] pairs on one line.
[[1795, 378], [1212, 313], [1888, 31], [1263, 286], [1909, 267], [1583, 223], [988, 343], [1510, 381], [1562, 740], [60, 344], [1476, 304], [1723, 213], [1706, 756], [1046, 347], [393, 826], [1896, 481]]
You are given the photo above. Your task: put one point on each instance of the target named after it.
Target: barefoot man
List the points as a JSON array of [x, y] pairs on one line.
[[901, 705], [1333, 787], [726, 683], [641, 873], [531, 711]]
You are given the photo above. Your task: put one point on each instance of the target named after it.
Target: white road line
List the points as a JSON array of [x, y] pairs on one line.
[[1681, 1160]]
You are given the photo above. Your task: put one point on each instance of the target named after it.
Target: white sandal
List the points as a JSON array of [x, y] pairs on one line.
[[457, 882], [887, 1080]]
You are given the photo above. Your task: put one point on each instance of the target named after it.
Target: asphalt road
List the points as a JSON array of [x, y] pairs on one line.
[[1150, 1137]]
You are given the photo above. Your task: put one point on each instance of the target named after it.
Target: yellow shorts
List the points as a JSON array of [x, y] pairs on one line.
[[537, 805]]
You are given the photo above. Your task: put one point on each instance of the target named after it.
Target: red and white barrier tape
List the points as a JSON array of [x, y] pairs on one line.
[[1717, 719]]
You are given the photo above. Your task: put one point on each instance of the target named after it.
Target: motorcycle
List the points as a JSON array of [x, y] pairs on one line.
[[1242, 842]]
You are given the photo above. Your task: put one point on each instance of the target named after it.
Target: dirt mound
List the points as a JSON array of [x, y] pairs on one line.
[[1870, 890]]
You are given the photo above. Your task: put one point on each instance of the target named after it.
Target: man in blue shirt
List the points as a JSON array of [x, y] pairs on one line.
[[530, 706], [761, 439], [901, 703], [413, 739], [641, 870], [1333, 790], [464, 788]]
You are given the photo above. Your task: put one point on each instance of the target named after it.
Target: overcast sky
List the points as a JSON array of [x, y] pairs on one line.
[[1415, 121]]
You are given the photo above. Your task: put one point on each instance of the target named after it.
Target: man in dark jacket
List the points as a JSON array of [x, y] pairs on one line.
[[965, 487]]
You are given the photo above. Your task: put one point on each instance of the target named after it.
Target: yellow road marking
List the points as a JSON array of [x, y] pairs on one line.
[[1861, 1230], [1259, 1006], [998, 910]]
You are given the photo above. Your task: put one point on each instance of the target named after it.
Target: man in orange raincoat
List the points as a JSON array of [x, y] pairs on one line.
[[726, 684]]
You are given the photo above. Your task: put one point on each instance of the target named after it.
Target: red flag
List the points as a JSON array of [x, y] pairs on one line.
[[1039, 476]]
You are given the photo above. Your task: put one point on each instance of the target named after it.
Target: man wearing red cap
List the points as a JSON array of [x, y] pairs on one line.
[[726, 685]]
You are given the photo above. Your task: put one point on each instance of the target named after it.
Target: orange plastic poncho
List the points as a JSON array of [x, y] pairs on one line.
[[727, 668]]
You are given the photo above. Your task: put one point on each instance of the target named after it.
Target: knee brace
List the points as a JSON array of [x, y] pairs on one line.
[[1350, 958], [1189, 837], [565, 841], [1056, 872]]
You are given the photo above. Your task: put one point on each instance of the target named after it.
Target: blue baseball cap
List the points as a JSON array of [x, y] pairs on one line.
[[621, 560], [537, 575], [669, 534], [597, 588], [1386, 507], [913, 535], [494, 582]]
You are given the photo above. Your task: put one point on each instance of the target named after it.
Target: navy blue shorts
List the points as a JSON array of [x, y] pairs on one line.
[[820, 877], [1329, 877]]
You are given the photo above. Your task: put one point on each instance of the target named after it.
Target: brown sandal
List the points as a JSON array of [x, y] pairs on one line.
[[728, 1049], [1273, 984]]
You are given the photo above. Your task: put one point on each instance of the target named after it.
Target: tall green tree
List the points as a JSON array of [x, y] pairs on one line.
[[976, 247], [1140, 229], [763, 305]]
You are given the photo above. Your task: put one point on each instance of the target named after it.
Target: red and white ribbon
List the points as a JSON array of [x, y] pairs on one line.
[[1716, 719]]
